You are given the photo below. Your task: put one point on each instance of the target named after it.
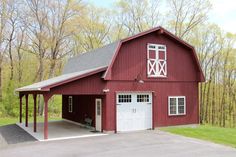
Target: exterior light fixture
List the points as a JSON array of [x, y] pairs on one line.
[[106, 90], [140, 81]]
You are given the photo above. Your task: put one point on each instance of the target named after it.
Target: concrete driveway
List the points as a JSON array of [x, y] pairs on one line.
[[136, 144]]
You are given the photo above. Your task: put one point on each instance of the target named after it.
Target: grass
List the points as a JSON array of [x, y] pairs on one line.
[[13, 120], [226, 136]]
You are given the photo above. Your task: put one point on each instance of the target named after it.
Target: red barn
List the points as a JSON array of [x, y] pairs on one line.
[[141, 82]]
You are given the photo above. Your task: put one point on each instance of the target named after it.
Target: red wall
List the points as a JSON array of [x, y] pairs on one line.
[[90, 85], [182, 80], [131, 60], [83, 106], [161, 91]]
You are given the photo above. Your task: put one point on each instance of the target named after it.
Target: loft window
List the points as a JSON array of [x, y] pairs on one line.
[[156, 60], [70, 104], [177, 105]]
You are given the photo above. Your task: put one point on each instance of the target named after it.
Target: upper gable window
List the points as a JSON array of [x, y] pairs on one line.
[[156, 60]]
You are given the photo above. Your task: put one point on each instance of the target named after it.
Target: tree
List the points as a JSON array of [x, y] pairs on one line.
[[92, 29], [12, 24], [186, 14], [134, 16], [36, 22], [3, 46], [60, 29]]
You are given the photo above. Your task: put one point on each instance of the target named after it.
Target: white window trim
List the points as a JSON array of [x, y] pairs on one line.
[[146, 98], [156, 60], [123, 95], [177, 104], [70, 106]]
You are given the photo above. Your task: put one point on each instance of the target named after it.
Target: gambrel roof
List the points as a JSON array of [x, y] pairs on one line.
[[101, 59]]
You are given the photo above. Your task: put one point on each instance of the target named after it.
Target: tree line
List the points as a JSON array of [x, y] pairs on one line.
[[38, 36]]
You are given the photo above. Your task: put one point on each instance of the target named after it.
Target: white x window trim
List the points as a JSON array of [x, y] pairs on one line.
[[156, 67]]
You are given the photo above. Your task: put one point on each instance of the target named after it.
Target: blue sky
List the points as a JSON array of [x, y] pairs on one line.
[[223, 12]]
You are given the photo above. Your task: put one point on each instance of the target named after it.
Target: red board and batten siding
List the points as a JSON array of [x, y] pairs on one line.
[[131, 60], [182, 79], [131, 64], [84, 92], [91, 85], [161, 91], [83, 107]]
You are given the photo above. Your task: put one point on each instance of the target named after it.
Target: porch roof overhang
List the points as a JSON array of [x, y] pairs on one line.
[[46, 85]]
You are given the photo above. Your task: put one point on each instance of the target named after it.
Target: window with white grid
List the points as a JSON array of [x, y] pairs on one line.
[[177, 105], [124, 98], [142, 98]]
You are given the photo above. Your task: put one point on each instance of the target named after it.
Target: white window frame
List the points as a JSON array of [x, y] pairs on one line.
[[157, 61], [177, 106], [70, 104], [145, 98], [124, 97]]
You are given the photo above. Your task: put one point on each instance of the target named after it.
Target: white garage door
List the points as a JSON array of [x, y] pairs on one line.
[[134, 111]]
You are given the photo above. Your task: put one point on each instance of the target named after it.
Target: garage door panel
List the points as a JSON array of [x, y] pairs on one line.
[[134, 111]]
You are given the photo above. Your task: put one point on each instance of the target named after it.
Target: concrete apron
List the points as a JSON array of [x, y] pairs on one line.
[[60, 130]]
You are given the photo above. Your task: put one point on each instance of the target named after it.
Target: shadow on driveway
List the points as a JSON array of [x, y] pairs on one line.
[[12, 134]]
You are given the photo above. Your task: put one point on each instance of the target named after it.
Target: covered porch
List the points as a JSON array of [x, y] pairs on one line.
[[81, 88], [60, 129]]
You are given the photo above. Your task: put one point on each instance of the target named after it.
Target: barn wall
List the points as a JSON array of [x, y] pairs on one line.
[[131, 61], [161, 92], [83, 106], [130, 64], [89, 85]]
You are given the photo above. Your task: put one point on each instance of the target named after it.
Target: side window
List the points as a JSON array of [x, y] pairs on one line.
[[124, 98], [98, 108], [172, 106], [70, 104], [156, 60], [177, 105]]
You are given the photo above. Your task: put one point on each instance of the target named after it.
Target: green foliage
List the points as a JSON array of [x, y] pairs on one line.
[[13, 120], [219, 135]]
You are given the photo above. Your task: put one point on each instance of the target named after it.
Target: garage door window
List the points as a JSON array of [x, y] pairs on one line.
[[177, 105], [124, 98], [142, 98]]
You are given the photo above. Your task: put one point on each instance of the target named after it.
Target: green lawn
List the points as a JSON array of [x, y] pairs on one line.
[[226, 136], [12, 120]]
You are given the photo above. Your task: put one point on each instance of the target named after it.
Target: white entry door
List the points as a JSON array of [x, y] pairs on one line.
[[134, 111], [98, 110]]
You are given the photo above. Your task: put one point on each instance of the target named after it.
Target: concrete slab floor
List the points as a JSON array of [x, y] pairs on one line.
[[58, 130]]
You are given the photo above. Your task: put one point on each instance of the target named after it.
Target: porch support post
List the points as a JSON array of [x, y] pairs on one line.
[[35, 115], [26, 110], [46, 98], [20, 116]]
